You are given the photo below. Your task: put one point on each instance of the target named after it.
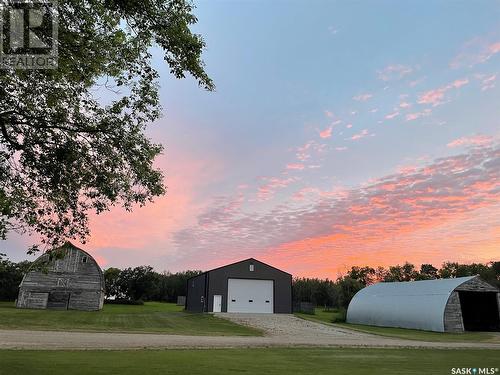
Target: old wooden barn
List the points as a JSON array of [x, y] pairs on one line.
[[64, 278]]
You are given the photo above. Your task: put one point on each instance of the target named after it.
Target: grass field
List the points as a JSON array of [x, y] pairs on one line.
[[410, 334], [413, 334], [151, 317], [245, 361], [321, 315]]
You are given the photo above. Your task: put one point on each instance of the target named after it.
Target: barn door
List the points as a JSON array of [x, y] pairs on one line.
[[58, 300]]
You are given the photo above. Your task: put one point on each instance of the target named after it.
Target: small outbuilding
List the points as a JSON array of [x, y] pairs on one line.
[[66, 278], [443, 305], [248, 286]]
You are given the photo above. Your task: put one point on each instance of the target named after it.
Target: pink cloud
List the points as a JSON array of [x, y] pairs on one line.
[[405, 105], [416, 115], [303, 152], [394, 72], [327, 133], [267, 191], [360, 135], [435, 97], [309, 150], [459, 83], [329, 114], [477, 140], [340, 148], [488, 83], [296, 166], [304, 192], [443, 210], [475, 51], [390, 116], [412, 116], [494, 48], [362, 97]]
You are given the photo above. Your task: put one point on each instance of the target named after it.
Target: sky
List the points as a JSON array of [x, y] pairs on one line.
[[340, 134]]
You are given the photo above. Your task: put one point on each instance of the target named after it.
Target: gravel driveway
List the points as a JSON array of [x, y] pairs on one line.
[[280, 330]]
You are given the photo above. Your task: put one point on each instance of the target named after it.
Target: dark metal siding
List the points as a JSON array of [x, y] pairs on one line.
[[195, 290], [282, 283]]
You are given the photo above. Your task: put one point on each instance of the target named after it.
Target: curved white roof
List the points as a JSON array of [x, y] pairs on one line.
[[413, 304]]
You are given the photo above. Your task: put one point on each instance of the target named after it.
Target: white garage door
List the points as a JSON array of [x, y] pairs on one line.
[[250, 296]]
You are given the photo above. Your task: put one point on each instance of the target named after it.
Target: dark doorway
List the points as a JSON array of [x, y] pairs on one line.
[[58, 300], [480, 311]]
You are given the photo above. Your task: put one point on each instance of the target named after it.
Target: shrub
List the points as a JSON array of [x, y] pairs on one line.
[[121, 301], [340, 316]]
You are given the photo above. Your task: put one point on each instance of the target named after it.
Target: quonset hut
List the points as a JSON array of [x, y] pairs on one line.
[[443, 305], [73, 280]]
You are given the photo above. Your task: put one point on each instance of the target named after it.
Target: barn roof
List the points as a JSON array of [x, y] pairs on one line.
[[66, 245], [414, 304], [241, 261]]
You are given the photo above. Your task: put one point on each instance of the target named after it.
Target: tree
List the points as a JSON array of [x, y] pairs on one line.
[[63, 150], [11, 275], [495, 273], [365, 275], [347, 289], [111, 280], [172, 285], [139, 283], [427, 272], [448, 269], [406, 272]]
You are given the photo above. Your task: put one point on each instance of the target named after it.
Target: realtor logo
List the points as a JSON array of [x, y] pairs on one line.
[[29, 34], [474, 371]]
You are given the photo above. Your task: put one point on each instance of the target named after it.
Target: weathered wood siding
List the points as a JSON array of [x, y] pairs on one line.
[[453, 321], [453, 314], [73, 282], [35, 300], [476, 285]]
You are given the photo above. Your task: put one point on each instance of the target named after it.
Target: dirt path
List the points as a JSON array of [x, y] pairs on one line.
[[281, 330]]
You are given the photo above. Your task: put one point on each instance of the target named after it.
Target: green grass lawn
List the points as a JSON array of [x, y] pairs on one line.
[[410, 334], [269, 361], [154, 317], [321, 315], [413, 334]]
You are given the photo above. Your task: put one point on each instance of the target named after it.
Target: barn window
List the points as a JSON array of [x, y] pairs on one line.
[[252, 268], [250, 300], [84, 260]]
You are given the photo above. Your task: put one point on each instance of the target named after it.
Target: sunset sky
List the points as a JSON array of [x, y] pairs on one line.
[[340, 134]]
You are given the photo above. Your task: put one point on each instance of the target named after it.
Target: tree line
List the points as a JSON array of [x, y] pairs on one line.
[[338, 293], [143, 283]]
